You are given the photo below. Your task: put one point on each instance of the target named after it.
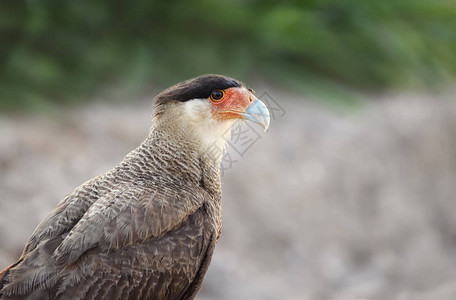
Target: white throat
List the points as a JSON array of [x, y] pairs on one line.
[[213, 134]]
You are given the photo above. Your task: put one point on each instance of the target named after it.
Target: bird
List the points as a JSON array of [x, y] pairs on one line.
[[147, 228]]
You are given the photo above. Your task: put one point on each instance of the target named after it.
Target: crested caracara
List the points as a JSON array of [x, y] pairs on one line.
[[147, 228]]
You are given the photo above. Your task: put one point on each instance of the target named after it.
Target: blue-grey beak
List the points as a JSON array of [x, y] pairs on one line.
[[258, 113]]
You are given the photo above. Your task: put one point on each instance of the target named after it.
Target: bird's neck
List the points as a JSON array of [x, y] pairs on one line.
[[177, 155], [194, 131]]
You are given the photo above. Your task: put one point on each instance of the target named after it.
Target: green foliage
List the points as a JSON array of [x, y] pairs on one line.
[[62, 50]]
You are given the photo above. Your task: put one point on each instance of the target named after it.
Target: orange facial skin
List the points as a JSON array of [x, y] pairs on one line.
[[234, 102]]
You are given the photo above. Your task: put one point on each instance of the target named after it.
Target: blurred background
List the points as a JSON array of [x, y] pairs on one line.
[[351, 192]]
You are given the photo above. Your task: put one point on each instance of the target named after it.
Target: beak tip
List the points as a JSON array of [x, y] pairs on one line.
[[258, 113]]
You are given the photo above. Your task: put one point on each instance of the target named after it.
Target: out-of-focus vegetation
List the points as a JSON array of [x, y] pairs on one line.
[[64, 50]]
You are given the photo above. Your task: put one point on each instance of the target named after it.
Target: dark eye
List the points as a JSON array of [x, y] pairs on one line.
[[217, 95]]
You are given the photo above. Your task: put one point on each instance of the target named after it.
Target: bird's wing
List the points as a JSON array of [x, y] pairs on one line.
[[168, 267], [132, 215], [67, 213], [190, 291], [60, 221], [129, 216]]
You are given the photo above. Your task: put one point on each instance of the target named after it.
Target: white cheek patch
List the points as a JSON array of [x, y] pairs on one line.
[[197, 110], [198, 117]]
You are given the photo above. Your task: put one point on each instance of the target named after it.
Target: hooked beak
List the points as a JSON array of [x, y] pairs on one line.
[[258, 113]]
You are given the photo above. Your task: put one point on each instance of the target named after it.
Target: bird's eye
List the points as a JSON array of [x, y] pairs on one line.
[[217, 95]]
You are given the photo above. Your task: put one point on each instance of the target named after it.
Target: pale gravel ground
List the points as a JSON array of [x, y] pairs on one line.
[[327, 205]]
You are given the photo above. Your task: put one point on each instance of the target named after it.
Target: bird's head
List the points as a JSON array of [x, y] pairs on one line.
[[208, 106]]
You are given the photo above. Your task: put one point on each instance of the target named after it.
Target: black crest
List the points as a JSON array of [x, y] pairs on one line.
[[196, 88]]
